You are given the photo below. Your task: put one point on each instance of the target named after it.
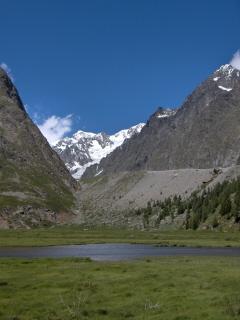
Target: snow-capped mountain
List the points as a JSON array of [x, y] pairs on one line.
[[84, 149], [226, 77]]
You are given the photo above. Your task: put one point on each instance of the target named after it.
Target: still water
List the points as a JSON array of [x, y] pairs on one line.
[[112, 252]]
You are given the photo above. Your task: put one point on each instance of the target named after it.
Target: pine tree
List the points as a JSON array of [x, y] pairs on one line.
[[225, 206]]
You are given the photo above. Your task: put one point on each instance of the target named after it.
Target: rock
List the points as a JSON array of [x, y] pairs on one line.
[[30, 170], [203, 133]]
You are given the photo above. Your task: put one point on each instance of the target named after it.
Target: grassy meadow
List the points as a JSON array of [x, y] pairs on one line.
[[174, 288], [167, 288], [79, 235]]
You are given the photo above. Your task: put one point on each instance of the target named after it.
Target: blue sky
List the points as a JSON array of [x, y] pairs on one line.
[[111, 63]]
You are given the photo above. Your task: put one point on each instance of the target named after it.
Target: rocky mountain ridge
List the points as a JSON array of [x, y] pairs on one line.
[[35, 186], [84, 149], [203, 133]]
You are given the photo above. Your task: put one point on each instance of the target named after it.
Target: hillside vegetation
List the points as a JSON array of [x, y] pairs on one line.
[[218, 207]]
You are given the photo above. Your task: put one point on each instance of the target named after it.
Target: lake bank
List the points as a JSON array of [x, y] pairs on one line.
[[70, 235]]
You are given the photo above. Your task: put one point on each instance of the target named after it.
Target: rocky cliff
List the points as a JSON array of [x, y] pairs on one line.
[[203, 133], [32, 176]]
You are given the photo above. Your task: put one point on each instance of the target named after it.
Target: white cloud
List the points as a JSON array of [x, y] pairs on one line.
[[8, 70], [54, 128], [235, 62]]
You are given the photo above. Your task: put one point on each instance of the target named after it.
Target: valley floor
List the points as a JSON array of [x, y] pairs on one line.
[[174, 288], [74, 234]]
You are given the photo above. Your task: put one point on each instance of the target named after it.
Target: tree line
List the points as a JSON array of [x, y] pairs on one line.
[[221, 201]]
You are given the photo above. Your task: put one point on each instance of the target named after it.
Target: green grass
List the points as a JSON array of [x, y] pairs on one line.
[[78, 235], [43, 191], [172, 288]]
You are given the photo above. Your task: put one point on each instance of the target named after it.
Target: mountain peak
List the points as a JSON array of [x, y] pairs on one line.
[[226, 69], [83, 134], [84, 149], [226, 77]]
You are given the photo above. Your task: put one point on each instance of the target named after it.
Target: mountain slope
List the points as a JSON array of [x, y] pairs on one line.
[[32, 176], [84, 149], [204, 132]]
